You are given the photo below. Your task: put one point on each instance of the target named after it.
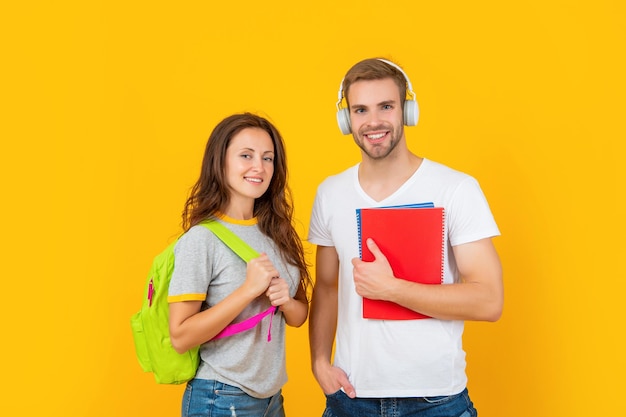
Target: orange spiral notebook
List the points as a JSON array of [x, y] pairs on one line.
[[412, 239]]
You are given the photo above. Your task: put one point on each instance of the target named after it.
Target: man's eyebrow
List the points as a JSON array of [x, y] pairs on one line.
[[382, 103]]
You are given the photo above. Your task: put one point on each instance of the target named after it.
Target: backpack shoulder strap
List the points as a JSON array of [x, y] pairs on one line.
[[234, 242], [245, 252]]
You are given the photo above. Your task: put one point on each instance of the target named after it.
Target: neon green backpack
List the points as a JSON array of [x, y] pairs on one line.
[[150, 325]]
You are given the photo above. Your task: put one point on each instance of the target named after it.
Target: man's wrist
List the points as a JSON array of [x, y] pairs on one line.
[[320, 363]]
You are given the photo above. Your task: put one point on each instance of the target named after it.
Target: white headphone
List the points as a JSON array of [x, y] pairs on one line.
[[411, 109]]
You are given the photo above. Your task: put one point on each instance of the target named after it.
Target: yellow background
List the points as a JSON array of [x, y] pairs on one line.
[[106, 108]]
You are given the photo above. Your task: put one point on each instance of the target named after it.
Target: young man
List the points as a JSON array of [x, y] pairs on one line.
[[396, 367]]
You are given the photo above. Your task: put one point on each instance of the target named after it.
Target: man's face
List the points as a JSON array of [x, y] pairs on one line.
[[376, 116]]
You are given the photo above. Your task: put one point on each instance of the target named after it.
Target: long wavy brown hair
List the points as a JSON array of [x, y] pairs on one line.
[[273, 210]]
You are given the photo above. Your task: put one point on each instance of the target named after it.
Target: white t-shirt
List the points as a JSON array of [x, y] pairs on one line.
[[404, 358]]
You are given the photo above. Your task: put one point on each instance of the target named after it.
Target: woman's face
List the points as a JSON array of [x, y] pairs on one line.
[[249, 165]]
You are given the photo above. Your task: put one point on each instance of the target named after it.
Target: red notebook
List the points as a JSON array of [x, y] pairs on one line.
[[412, 239]]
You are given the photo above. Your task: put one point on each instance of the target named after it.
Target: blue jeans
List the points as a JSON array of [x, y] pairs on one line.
[[340, 405], [208, 398]]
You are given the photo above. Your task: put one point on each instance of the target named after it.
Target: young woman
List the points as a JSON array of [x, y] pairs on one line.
[[243, 185]]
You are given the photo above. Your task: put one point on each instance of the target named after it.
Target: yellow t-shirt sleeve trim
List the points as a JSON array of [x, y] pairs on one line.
[[186, 297]]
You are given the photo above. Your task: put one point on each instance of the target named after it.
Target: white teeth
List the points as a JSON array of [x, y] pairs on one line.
[[378, 136], [254, 179]]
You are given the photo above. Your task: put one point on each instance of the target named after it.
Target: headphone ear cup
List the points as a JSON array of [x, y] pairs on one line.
[[343, 120], [411, 113]]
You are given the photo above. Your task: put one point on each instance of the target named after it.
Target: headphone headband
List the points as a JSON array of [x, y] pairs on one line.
[[406, 77]]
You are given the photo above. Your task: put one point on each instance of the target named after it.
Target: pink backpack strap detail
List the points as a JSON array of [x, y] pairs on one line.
[[248, 324]]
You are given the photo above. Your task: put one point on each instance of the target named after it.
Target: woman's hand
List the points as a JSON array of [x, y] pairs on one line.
[[259, 274], [278, 292]]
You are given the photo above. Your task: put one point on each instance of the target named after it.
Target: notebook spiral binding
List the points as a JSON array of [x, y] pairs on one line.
[[443, 243], [358, 222]]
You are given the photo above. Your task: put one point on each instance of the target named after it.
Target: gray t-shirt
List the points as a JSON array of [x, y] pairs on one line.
[[205, 268]]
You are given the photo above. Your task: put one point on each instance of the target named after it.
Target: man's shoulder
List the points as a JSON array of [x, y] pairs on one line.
[[341, 178], [443, 172]]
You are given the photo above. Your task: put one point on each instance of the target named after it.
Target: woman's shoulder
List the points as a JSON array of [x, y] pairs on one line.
[[196, 237]]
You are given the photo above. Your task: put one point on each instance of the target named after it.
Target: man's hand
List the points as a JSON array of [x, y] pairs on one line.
[[332, 379], [373, 279]]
